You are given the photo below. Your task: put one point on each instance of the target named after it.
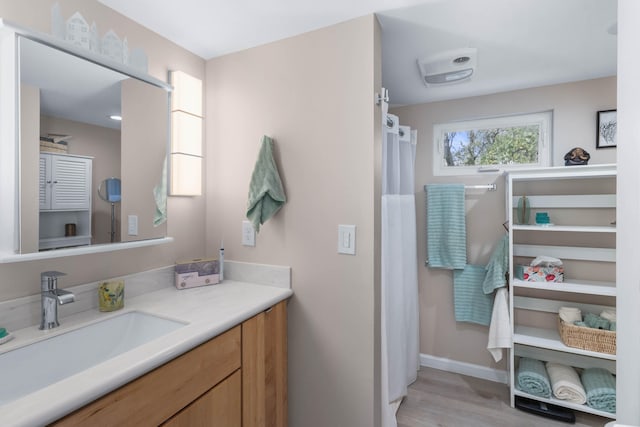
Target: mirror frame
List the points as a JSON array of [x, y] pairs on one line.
[[10, 140]]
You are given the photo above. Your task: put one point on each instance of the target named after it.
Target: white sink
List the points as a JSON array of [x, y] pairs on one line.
[[32, 367]]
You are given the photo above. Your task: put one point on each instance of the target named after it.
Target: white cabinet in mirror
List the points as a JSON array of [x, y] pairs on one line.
[[53, 88]]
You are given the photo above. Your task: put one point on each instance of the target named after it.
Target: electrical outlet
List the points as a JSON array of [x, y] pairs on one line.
[[248, 234]]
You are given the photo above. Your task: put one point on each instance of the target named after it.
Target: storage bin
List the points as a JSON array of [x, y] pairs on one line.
[[585, 338]]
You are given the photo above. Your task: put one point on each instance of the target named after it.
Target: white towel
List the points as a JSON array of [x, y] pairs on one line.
[[500, 327], [565, 383], [570, 314], [610, 315]]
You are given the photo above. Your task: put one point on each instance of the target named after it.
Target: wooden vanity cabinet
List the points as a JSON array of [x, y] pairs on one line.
[[238, 378], [264, 368]]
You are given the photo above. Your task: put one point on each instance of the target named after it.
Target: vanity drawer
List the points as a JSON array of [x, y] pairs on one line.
[[158, 395]]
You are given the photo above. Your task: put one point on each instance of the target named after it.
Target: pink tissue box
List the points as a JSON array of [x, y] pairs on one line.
[[542, 274]]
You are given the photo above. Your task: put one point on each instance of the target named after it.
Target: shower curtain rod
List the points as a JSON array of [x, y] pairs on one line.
[[490, 187]]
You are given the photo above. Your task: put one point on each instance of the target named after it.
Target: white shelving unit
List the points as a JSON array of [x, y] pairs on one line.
[[65, 198], [581, 203]]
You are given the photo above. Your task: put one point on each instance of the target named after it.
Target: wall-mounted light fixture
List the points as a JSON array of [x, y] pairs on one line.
[[186, 135]]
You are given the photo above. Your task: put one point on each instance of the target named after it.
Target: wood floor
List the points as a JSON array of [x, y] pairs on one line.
[[444, 399]]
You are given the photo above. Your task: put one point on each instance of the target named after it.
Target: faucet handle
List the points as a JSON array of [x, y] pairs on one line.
[[47, 274], [49, 280]]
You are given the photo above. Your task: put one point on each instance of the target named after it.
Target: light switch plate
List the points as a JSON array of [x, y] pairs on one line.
[[133, 225], [347, 239], [248, 234]]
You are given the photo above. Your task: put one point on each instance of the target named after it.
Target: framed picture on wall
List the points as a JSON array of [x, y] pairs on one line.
[[607, 129]]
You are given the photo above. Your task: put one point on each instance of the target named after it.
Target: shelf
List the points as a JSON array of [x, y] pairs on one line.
[[565, 404], [575, 286], [581, 172], [63, 242], [550, 339], [570, 228]]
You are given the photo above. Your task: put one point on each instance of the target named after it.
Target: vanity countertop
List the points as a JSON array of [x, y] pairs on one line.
[[208, 311]]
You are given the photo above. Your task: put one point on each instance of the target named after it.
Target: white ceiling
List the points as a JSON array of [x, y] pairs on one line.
[[523, 43]]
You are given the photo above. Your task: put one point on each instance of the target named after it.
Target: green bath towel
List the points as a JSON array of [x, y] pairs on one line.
[[266, 194], [600, 386], [470, 303], [446, 226], [533, 378]]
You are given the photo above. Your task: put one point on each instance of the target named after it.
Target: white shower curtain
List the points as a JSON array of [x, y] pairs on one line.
[[399, 267]]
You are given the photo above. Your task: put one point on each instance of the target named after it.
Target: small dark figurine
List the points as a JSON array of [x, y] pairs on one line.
[[576, 156]]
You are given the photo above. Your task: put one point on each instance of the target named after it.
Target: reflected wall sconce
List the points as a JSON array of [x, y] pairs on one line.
[[186, 135]]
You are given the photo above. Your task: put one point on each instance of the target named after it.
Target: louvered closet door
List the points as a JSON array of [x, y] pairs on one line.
[[71, 183]]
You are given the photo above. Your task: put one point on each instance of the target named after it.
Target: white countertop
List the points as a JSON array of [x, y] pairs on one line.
[[208, 311]]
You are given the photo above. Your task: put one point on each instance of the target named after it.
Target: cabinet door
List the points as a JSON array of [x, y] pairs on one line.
[[44, 182], [220, 406], [264, 368], [71, 183]]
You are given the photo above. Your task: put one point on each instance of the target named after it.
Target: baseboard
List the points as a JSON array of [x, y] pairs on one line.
[[477, 371]]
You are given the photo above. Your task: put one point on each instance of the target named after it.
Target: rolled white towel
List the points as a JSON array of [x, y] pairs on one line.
[[609, 314], [565, 383], [570, 314]]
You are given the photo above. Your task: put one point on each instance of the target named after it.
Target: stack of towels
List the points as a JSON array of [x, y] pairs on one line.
[[595, 386], [606, 320]]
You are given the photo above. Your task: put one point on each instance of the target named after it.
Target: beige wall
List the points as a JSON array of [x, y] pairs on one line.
[[186, 215], [103, 144], [574, 108], [314, 95], [29, 171]]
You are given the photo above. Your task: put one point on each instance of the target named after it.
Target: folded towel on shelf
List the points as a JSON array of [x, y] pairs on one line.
[[570, 314], [500, 327], [532, 377], [266, 194], [609, 314], [596, 322], [446, 226], [498, 267], [470, 303], [565, 383], [600, 386], [613, 326]]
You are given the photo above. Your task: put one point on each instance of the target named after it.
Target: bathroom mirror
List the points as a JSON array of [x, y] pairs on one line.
[[67, 99]]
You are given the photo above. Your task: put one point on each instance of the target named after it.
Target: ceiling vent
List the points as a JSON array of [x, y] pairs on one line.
[[449, 67]]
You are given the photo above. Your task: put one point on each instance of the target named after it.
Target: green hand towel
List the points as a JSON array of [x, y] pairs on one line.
[[597, 322], [600, 386], [266, 194], [533, 378], [498, 267]]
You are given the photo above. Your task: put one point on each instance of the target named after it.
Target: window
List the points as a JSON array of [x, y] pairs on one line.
[[492, 144]]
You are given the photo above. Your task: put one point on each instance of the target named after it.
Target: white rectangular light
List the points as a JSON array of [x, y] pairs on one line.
[[186, 133], [186, 175], [187, 93]]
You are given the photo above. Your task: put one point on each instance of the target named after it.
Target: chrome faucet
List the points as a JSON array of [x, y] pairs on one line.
[[51, 297]]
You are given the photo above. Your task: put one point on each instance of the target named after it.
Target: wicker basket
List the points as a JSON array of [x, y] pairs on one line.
[[587, 338]]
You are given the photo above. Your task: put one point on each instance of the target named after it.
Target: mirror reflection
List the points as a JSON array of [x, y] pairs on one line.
[[109, 191], [81, 133]]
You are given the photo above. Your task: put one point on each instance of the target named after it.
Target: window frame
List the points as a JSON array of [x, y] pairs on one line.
[[544, 119]]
